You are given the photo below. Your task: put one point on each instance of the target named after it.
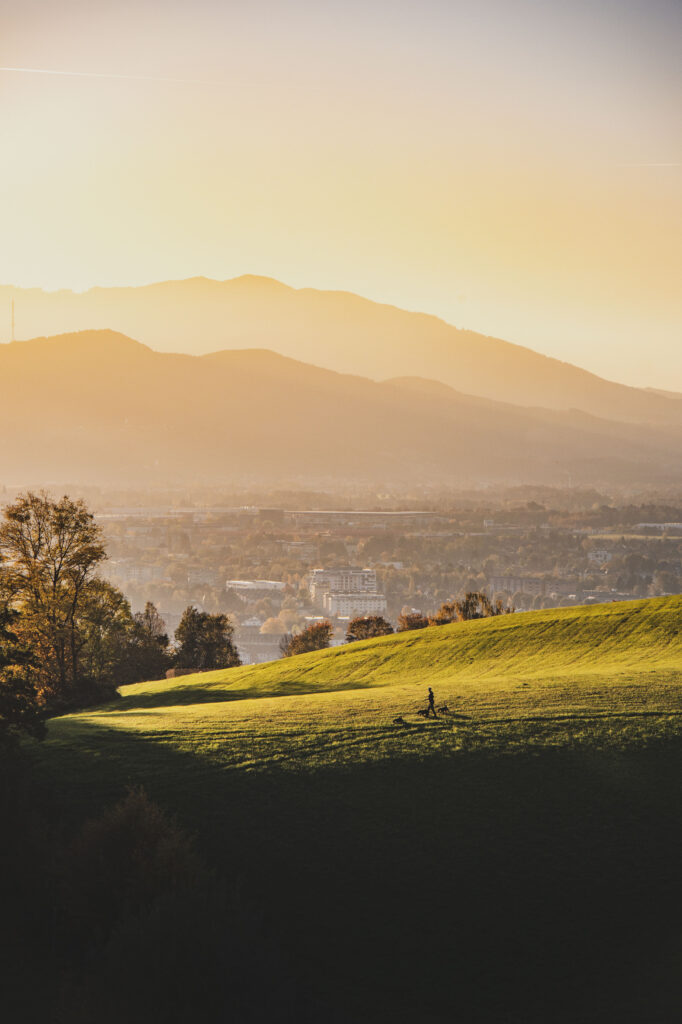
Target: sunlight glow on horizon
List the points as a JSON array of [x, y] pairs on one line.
[[512, 171]]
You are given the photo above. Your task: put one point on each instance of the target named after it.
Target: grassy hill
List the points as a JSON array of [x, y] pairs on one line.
[[637, 639], [514, 860]]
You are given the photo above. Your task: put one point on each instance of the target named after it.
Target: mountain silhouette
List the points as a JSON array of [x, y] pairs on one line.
[[99, 407], [338, 331]]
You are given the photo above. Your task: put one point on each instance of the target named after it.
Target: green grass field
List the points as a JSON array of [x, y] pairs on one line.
[[510, 854]]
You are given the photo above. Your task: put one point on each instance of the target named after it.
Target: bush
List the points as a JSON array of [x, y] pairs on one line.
[[126, 858]]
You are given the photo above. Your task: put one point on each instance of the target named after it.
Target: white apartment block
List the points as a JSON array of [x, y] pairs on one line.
[[341, 581], [350, 605]]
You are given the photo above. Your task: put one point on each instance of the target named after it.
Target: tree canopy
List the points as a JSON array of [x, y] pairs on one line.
[[50, 553], [315, 637], [20, 710], [364, 627], [205, 641], [474, 605]]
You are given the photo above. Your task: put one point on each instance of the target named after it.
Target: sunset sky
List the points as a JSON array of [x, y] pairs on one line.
[[511, 165]]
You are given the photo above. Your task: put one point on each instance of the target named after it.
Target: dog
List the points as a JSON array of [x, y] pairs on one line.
[[424, 712], [443, 710], [399, 720]]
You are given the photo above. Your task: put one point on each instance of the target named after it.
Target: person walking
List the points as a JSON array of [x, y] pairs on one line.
[[432, 704]]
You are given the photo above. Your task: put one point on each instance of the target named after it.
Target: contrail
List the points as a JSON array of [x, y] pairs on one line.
[[95, 74]]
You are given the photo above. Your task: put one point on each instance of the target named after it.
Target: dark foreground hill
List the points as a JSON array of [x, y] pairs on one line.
[[337, 330], [100, 407], [516, 860]]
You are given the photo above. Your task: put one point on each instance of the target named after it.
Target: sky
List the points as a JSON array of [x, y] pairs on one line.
[[514, 166]]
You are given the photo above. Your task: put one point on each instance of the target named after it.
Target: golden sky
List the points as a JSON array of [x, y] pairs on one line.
[[511, 165]]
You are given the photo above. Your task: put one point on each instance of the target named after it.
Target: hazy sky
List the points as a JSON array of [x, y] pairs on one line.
[[512, 165]]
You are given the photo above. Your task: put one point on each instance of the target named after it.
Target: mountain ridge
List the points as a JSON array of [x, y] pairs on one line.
[[339, 331], [101, 407]]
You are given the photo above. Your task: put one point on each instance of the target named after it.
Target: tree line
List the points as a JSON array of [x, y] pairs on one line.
[[68, 638], [318, 636]]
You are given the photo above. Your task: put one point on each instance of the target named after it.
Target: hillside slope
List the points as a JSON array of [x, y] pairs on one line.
[[337, 330], [97, 407], [638, 639], [525, 844]]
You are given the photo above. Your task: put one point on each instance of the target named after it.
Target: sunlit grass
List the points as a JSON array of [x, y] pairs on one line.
[[579, 676]]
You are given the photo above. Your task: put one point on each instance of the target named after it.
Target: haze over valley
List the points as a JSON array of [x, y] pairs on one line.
[[98, 407]]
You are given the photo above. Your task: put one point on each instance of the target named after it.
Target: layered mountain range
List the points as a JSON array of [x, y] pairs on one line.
[[97, 406], [338, 331]]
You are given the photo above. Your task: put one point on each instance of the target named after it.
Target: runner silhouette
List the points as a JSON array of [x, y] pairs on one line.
[[432, 703]]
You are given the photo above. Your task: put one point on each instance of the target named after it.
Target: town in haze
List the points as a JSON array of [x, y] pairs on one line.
[[277, 569], [340, 512]]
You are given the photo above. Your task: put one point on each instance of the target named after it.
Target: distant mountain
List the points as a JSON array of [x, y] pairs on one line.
[[99, 407], [674, 395], [335, 330]]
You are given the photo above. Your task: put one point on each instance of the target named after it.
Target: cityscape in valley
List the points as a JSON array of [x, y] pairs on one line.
[[340, 512], [274, 570]]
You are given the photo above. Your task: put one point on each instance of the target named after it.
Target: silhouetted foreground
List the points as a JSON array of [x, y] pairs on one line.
[[554, 893]]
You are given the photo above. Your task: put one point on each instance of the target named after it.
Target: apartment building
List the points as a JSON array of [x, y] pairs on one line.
[[341, 581], [350, 605]]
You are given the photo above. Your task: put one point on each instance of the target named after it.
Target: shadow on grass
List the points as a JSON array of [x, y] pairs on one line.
[[480, 887], [212, 693]]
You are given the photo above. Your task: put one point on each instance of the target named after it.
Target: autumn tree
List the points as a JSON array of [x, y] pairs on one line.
[[411, 620], [205, 641], [474, 605], [448, 612], [20, 711], [315, 637], [364, 627], [49, 555]]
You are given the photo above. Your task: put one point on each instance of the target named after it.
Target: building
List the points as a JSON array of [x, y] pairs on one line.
[[341, 581], [300, 549], [210, 577], [349, 605], [126, 570], [253, 590], [600, 556], [523, 584], [536, 586], [255, 647], [330, 519], [661, 527]]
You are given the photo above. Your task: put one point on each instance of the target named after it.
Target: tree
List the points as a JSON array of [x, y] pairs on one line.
[[50, 552], [20, 710], [315, 637], [411, 620], [448, 612], [285, 642], [364, 627], [148, 655], [205, 641], [105, 637], [474, 605]]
